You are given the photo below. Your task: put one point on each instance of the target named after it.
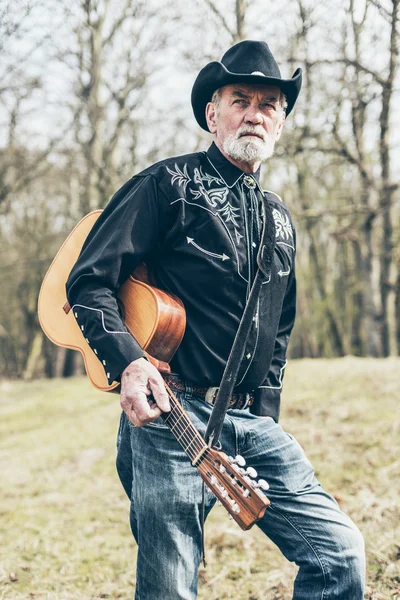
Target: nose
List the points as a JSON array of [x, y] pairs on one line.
[[254, 115]]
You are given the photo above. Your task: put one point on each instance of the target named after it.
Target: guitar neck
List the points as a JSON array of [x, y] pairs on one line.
[[183, 430]]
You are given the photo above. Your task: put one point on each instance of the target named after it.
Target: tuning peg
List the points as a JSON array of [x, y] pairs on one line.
[[246, 493], [239, 460], [222, 469], [219, 503], [224, 493], [264, 485], [234, 481], [251, 472], [213, 479], [236, 507]]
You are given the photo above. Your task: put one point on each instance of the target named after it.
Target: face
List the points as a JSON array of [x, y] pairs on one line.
[[246, 122]]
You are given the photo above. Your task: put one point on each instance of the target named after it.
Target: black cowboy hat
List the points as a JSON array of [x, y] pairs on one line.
[[246, 62]]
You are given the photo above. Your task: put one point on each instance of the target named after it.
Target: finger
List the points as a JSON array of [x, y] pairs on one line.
[[141, 422], [143, 410], [153, 414], [160, 394]]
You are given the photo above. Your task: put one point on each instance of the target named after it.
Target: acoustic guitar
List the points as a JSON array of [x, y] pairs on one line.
[[157, 321]]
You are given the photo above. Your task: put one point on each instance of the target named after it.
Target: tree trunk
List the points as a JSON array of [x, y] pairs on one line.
[[387, 190], [34, 356]]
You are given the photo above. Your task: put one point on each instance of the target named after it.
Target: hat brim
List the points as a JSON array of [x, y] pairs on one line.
[[215, 75]]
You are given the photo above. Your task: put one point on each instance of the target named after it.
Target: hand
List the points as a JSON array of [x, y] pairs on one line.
[[139, 380]]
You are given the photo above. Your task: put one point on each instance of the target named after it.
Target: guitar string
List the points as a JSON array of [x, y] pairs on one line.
[[188, 433], [190, 438]]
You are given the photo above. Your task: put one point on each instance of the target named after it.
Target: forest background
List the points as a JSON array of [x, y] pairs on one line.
[[92, 91]]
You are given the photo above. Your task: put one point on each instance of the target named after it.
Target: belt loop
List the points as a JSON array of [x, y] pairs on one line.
[[247, 401], [188, 389]]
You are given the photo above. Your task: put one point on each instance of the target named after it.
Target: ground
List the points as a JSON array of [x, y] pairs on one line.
[[64, 530]]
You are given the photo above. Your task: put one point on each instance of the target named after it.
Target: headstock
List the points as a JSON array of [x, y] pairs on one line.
[[235, 486]]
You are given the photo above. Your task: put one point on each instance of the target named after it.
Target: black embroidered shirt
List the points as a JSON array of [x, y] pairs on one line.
[[196, 220]]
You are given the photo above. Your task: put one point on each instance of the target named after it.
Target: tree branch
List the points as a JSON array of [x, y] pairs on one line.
[[220, 17]]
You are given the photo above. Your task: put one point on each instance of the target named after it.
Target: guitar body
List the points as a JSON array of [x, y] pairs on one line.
[[158, 326]]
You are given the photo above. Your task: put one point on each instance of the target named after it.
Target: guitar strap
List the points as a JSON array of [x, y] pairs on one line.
[[264, 261]]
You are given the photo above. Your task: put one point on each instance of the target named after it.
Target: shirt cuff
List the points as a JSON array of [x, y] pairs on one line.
[[267, 402]]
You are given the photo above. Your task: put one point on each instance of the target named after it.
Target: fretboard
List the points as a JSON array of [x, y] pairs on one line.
[[183, 430]]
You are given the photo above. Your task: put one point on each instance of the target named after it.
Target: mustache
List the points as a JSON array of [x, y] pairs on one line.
[[251, 130]]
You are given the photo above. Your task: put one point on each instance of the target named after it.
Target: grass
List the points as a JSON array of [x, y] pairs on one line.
[[64, 531]]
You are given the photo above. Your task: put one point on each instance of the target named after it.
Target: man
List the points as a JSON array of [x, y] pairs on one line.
[[197, 220]]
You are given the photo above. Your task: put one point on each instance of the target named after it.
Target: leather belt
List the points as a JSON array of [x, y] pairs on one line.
[[238, 401]]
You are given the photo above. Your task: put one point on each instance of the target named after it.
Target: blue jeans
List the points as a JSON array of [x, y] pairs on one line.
[[165, 492]]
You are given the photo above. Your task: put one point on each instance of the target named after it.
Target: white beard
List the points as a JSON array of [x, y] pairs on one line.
[[248, 150]]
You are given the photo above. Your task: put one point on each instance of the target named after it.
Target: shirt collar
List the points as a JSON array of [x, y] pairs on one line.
[[225, 169]]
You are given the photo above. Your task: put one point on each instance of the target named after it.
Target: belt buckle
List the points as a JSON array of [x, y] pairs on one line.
[[210, 395]]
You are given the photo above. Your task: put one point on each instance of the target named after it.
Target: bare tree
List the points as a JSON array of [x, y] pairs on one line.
[[113, 58], [236, 31], [18, 88]]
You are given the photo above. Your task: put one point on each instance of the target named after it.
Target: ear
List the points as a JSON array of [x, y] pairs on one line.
[[211, 117]]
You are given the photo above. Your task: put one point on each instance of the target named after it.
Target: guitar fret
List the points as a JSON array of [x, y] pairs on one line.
[[179, 437], [198, 455], [176, 422], [178, 408], [186, 448]]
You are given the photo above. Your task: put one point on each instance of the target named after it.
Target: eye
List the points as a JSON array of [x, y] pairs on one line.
[[240, 101], [270, 106]]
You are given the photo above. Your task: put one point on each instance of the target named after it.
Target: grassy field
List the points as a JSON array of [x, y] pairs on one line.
[[64, 530]]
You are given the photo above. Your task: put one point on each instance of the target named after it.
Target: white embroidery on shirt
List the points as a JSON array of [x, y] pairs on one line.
[[280, 376], [283, 225], [206, 177], [284, 273], [213, 197], [229, 214], [288, 245], [213, 254], [102, 319], [182, 177]]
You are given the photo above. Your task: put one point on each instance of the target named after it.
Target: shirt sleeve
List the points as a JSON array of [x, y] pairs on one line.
[[125, 232], [268, 395]]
